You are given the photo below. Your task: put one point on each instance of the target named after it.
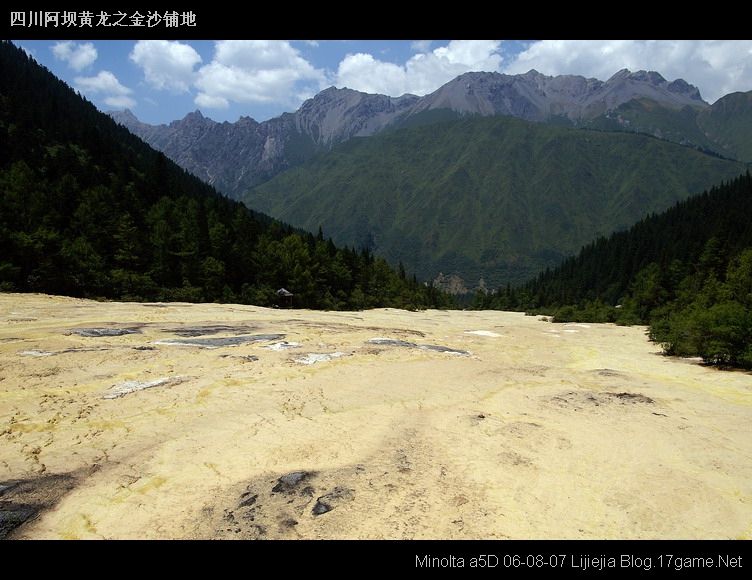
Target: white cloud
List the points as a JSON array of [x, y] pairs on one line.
[[255, 71], [120, 102], [166, 64], [363, 72], [211, 102], [421, 45], [106, 85], [716, 67], [77, 56], [423, 72]]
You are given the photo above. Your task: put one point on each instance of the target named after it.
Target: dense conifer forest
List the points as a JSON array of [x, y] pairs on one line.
[[87, 209]]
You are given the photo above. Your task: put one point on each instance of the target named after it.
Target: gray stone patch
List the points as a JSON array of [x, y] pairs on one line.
[[392, 342], [246, 358], [127, 387], [220, 341], [331, 500], [43, 353], [290, 482], [97, 332], [406, 344], [205, 330], [444, 349]]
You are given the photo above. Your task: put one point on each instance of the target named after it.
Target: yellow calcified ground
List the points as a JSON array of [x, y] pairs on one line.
[[530, 436]]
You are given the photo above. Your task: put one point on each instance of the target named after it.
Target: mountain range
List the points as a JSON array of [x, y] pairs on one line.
[[531, 166], [236, 156], [496, 198]]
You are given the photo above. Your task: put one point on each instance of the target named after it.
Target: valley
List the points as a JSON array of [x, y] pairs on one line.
[[367, 317]]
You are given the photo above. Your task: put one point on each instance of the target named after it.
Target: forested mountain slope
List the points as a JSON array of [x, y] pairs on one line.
[[492, 197], [88, 209]]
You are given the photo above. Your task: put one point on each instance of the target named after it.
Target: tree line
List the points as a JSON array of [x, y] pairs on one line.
[[87, 209], [686, 272]]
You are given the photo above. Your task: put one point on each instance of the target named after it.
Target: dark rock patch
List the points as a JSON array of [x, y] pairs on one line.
[[205, 330], [289, 482], [393, 342], [99, 332], [331, 500], [21, 500], [321, 507], [445, 349], [248, 499], [609, 373], [44, 353], [13, 516], [582, 399], [246, 358], [275, 506], [220, 341], [6, 486], [406, 344], [631, 398]]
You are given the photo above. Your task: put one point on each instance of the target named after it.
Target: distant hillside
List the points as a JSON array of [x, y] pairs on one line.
[[724, 128], [687, 272], [729, 124], [237, 156], [492, 197], [87, 209]]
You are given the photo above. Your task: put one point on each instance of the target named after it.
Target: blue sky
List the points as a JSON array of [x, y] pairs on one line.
[[164, 80]]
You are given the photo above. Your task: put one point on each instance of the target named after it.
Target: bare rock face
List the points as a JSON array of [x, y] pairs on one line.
[[537, 97], [234, 157], [335, 115]]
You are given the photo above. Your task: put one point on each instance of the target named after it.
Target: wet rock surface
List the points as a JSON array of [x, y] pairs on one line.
[[220, 341], [406, 344], [209, 329], [99, 332], [43, 353]]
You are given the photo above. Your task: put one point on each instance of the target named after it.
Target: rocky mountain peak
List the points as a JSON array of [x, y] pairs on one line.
[[682, 87], [651, 77], [653, 85], [125, 114], [195, 117]]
